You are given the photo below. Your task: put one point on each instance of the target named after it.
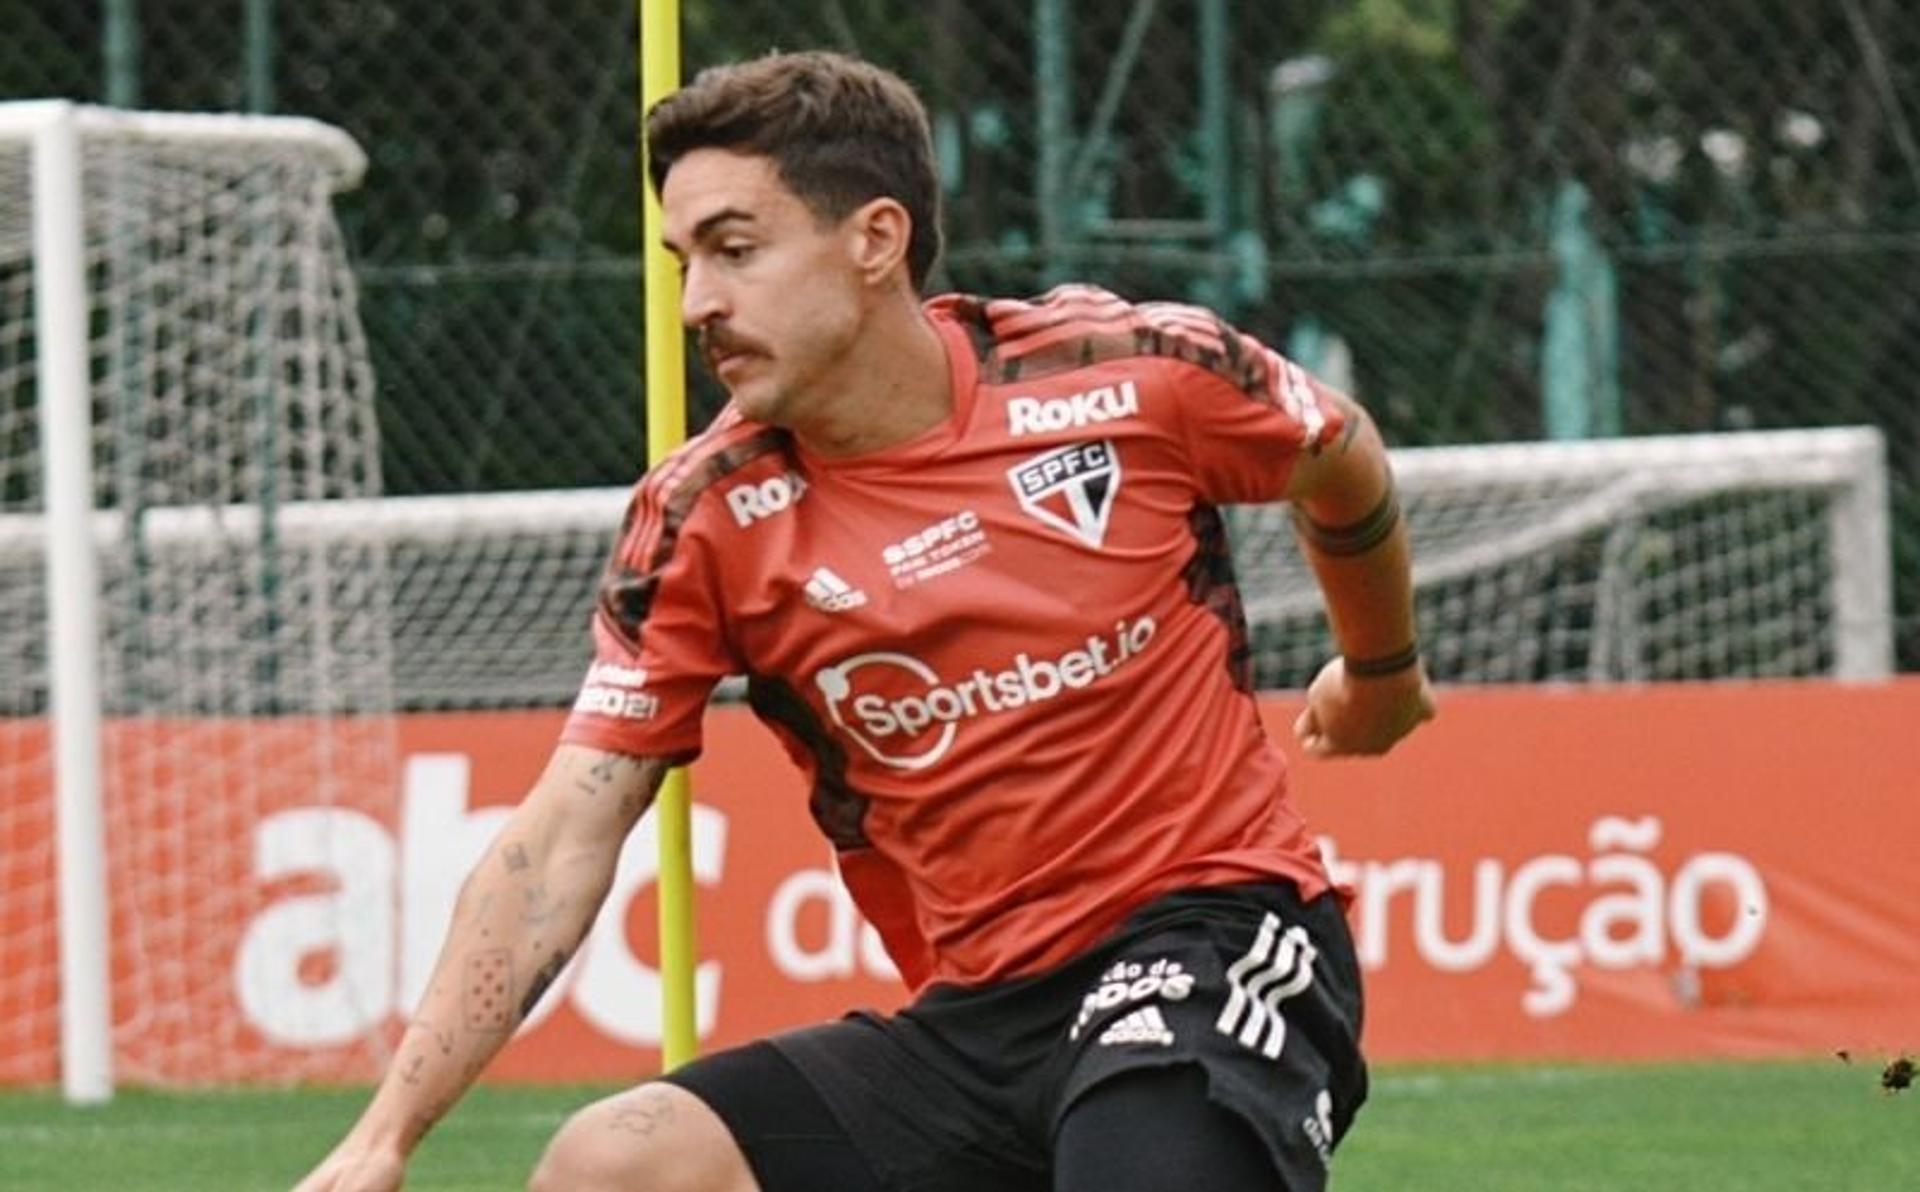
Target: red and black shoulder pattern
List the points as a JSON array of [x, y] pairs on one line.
[[1074, 326], [663, 501]]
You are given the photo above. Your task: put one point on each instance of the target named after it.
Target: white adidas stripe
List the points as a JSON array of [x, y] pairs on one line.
[[1278, 966]]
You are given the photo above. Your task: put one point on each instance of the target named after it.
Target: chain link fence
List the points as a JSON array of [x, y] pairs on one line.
[[1493, 219]]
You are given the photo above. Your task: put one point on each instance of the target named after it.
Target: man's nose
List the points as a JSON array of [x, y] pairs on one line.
[[701, 301]]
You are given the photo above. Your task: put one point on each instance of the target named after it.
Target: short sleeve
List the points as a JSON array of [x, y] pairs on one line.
[[659, 639], [1245, 412]]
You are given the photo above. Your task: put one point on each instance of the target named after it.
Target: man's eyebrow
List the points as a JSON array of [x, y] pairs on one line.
[[707, 226]]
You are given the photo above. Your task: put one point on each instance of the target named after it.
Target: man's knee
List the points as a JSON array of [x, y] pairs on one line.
[[655, 1138]]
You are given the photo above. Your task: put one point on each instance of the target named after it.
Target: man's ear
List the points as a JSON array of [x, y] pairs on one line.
[[879, 233]]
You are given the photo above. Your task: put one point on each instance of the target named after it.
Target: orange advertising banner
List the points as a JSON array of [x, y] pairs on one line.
[[1644, 872], [1654, 872]]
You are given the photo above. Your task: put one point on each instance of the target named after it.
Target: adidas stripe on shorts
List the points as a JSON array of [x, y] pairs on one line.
[[966, 1089]]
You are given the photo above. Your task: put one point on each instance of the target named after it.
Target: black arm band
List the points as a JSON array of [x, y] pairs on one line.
[[1356, 538], [1389, 664]]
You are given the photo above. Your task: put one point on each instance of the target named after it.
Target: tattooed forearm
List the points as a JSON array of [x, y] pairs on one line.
[[489, 1005], [487, 999], [537, 906], [542, 980], [420, 1123], [428, 1055]]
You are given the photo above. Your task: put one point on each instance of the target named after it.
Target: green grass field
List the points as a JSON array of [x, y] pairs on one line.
[[1824, 1126]]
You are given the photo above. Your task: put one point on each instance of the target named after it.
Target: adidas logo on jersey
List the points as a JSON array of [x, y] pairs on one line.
[[831, 594], [1039, 415], [1145, 1025]]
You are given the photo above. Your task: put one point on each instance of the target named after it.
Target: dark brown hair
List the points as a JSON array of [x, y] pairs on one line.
[[841, 132]]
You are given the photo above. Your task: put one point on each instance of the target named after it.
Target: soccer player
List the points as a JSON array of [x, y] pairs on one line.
[[968, 553]]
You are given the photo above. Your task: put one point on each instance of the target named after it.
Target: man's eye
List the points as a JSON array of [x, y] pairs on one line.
[[735, 253]]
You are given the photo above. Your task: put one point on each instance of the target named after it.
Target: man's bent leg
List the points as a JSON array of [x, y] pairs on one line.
[[654, 1138], [743, 1120], [1156, 1130]]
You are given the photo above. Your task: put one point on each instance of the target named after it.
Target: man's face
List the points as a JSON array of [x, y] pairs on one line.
[[772, 292]]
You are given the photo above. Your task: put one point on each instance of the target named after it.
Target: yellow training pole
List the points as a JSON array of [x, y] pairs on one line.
[[667, 429]]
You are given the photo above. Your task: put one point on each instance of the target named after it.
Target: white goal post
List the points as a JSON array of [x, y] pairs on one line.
[[178, 330]]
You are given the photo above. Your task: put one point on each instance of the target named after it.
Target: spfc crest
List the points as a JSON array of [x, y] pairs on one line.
[[1070, 488]]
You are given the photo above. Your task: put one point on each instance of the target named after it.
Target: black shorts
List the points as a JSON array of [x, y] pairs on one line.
[[1237, 998]]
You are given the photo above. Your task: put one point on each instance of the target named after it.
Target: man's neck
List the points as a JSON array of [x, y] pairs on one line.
[[892, 389]]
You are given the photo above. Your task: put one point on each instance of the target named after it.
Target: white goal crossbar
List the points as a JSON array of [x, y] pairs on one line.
[[29, 120]]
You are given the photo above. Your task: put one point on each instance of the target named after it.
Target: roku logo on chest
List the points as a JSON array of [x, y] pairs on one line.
[[1038, 415]]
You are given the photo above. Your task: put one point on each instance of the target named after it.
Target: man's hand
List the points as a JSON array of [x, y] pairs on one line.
[[1348, 716], [356, 1168]]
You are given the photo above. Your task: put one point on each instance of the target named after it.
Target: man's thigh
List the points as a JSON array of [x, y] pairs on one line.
[[1156, 1130], [848, 1106], [783, 1131]]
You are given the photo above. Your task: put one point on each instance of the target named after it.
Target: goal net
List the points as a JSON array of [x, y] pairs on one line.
[[1760, 555], [1729, 556], [180, 363]]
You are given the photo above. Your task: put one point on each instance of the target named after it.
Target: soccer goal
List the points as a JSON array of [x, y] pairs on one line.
[[180, 362], [1714, 556]]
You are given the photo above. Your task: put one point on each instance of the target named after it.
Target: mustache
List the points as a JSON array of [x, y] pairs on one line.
[[717, 340]]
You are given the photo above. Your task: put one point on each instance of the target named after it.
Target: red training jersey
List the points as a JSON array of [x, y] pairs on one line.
[[1008, 653]]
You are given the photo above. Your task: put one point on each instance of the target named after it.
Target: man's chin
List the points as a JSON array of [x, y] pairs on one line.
[[757, 403]]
